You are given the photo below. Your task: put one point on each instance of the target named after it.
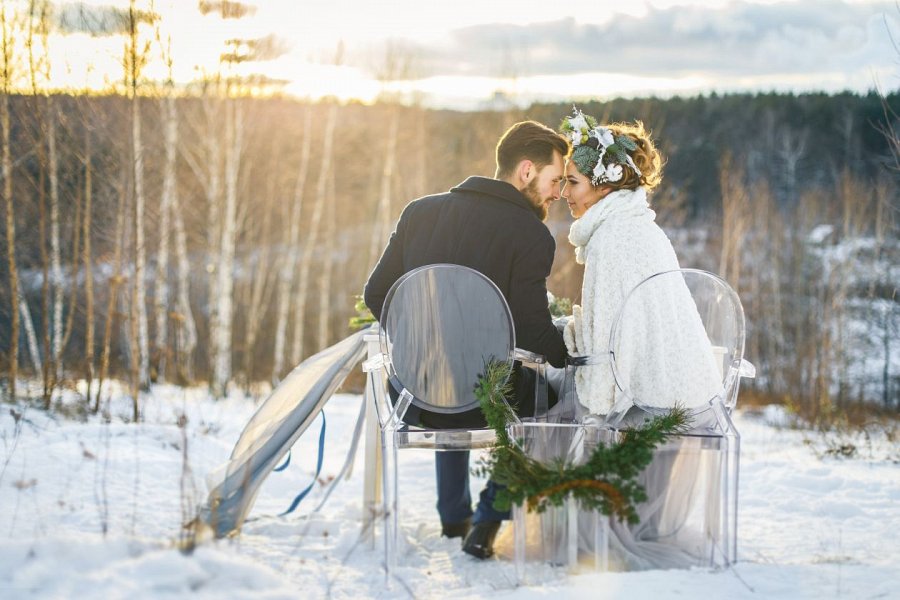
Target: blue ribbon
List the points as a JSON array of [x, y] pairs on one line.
[[303, 494], [284, 466]]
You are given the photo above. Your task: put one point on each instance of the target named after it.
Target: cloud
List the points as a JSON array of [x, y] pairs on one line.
[[739, 40], [97, 21], [265, 48], [226, 9], [77, 17]]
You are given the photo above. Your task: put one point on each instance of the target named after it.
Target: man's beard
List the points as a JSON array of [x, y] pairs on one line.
[[534, 198]]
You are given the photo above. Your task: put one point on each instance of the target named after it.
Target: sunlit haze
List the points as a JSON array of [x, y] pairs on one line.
[[470, 53]]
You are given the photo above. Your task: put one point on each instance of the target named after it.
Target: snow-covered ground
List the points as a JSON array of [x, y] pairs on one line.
[[94, 510]]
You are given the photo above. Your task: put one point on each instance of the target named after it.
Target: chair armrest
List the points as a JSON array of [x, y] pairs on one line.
[[529, 357], [586, 360], [373, 363], [540, 383]]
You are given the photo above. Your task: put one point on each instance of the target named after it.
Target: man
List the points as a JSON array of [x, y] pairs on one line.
[[495, 226]]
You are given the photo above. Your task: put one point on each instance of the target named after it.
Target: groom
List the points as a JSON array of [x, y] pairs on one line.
[[494, 226]]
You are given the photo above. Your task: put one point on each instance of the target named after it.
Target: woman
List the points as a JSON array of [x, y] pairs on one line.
[[611, 172], [663, 356]]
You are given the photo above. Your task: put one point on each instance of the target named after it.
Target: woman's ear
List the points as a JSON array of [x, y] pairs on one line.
[[605, 190]]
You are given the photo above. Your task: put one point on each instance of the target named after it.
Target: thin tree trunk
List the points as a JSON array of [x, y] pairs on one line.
[[114, 282], [234, 133], [186, 337], [10, 213], [169, 190], [37, 14], [312, 239], [259, 294], [383, 215], [55, 251], [213, 187], [421, 154], [76, 259], [48, 369], [134, 350], [883, 195], [734, 221], [140, 250], [289, 260], [326, 302], [88, 264], [34, 349]]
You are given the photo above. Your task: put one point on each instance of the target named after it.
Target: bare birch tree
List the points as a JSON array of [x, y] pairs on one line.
[[224, 301], [312, 237], [395, 66], [40, 24], [166, 205], [205, 161], [258, 289], [7, 75], [326, 302], [186, 329], [34, 349], [136, 56], [88, 263], [37, 70], [57, 278], [116, 280], [735, 219], [288, 263]]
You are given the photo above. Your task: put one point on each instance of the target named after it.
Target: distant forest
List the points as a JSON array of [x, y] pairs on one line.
[[222, 239]]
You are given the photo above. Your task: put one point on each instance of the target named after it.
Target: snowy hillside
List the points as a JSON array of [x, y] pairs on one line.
[[809, 527]]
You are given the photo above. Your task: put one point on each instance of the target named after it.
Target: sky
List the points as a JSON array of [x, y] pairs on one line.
[[463, 53]]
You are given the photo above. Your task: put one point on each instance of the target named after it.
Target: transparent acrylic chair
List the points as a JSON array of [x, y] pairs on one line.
[[439, 326], [690, 516], [557, 536]]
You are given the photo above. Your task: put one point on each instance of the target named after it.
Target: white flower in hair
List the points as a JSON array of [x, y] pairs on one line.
[[613, 172], [632, 165], [604, 135], [579, 124], [599, 169]]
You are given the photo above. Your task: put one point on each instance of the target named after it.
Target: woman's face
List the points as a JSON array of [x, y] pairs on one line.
[[578, 191]]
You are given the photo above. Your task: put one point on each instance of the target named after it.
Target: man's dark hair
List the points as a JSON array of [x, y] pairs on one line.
[[528, 140]]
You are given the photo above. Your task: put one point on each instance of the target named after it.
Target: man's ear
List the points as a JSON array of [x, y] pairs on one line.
[[526, 171]]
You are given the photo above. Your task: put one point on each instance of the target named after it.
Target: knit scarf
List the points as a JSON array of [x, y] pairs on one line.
[[617, 204]]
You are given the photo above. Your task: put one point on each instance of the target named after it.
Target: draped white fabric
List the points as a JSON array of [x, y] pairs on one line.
[[277, 424]]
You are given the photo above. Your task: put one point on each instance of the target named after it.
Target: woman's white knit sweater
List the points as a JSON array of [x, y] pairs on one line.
[[620, 245]]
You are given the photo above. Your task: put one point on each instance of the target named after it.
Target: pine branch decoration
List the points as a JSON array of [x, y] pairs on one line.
[[607, 481]]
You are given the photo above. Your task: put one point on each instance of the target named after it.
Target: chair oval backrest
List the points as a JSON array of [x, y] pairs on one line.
[[439, 326], [678, 338]]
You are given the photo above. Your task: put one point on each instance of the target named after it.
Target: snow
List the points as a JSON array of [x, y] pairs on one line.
[[811, 525]]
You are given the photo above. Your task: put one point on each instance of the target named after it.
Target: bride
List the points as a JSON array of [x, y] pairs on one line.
[[609, 177], [666, 357]]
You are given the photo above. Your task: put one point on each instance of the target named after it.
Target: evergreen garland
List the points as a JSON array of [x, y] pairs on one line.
[[363, 317], [607, 481]]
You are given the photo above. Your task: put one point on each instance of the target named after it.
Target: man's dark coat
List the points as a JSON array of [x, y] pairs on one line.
[[489, 226]]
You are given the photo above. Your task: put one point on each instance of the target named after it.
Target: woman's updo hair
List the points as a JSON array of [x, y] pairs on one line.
[[646, 157]]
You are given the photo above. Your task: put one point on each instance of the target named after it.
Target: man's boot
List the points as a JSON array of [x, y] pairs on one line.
[[480, 541]]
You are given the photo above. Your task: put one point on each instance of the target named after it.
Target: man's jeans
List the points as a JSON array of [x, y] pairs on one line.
[[454, 499]]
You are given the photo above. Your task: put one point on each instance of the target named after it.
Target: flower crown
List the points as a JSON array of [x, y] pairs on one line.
[[598, 152]]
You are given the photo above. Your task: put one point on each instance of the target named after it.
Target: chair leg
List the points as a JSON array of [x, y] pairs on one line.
[[519, 537], [389, 494], [571, 506], [601, 541]]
